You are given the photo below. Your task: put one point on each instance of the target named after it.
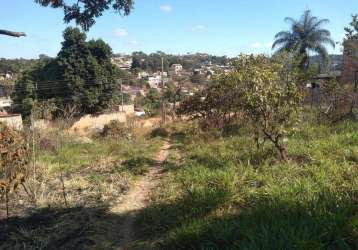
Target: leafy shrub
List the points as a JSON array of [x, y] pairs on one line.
[[262, 90], [116, 129], [270, 98], [159, 132]]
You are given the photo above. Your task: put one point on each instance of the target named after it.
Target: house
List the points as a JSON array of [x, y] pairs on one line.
[[142, 75], [156, 80], [6, 76], [176, 69], [122, 61]]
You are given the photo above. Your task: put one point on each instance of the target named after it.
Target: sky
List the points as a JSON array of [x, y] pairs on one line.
[[219, 27]]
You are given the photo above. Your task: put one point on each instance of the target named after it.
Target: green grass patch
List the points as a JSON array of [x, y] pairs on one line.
[[226, 194]]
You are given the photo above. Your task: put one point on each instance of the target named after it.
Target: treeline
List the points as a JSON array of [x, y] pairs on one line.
[[15, 65], [153, 62]]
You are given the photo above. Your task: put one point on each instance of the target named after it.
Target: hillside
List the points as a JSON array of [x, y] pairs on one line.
[[335, 62]]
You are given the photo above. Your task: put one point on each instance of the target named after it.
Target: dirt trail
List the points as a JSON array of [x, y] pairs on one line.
[[137, 198]]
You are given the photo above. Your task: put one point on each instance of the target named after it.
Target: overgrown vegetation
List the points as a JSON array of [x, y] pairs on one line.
[[225, 192], [14, 162], [77, 180], [263, 90]]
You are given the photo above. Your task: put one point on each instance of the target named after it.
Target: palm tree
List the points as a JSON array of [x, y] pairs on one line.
[[305, 35]]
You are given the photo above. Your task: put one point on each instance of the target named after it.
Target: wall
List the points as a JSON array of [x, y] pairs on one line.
[[14, 121], [89, 123], [5, 102], [128, 109]]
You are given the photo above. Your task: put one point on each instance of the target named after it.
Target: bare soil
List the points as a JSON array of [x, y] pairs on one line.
[[121, 230]]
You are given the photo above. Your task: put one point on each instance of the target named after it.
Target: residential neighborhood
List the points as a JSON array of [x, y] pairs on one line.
[[179, 125]]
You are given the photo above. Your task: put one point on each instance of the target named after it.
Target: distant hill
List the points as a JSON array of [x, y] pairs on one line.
[[335, 62]]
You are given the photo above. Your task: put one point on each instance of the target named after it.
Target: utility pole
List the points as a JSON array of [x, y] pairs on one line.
[[33, 133], [163, 102], [120, 80]]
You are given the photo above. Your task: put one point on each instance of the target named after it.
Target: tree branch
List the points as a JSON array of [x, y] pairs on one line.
[[12, 33]]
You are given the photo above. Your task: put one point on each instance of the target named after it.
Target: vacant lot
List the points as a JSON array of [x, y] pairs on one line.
[[222, 191]]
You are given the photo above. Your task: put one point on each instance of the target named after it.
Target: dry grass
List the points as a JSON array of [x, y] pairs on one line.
[[77, 180]]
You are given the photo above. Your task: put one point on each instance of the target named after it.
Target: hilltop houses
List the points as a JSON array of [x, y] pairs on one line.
[[122, 61], [176, 69]]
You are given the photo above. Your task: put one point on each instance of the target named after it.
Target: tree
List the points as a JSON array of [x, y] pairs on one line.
[[82, 75], [305, 35], [262, 90], [83, 12], [270, 97], [150, 103]]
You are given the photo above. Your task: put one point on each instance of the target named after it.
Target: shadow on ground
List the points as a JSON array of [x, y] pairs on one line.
[[328, 222], [192, 222], [61, 228]]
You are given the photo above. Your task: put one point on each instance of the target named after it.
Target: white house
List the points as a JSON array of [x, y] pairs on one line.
[[6, 76], [142, 75], [122, 61], [155, 81], [177, 68]]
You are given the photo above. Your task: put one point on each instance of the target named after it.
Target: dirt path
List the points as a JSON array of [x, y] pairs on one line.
[[137, 198]]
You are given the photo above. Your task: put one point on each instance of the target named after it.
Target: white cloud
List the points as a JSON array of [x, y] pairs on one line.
[[120, 32], [256, 45], [200, 27], [166, 8]]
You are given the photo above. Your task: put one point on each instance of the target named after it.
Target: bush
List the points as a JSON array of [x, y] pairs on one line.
[[159, 132], [116, 129], [14, 159]]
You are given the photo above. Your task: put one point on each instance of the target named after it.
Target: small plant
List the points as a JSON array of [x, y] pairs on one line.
[[159, 132], [116, 129]]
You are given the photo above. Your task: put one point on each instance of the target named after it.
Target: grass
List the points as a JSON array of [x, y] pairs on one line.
[[223, 193], [77, 181]]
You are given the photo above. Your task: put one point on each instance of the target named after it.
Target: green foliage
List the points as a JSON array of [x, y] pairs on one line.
[[116, 129], [153, 61], [227, 194], [82, 75], [261, 89], [159, 132], [84, 12], [216, 105], [15, 66], [150, 103], [270, 97], [352, 30], [305, 35]]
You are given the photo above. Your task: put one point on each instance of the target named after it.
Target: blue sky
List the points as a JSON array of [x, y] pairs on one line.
[[220, 27]]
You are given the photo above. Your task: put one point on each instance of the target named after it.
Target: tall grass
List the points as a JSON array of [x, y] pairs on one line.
[[226, 194], [77, 181]]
